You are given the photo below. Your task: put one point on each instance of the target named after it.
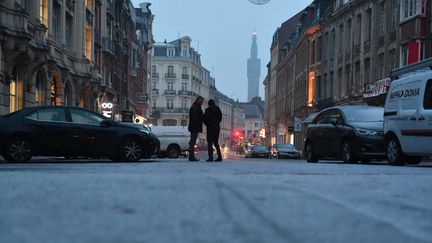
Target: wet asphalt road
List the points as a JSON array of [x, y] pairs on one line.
[[238, 200]]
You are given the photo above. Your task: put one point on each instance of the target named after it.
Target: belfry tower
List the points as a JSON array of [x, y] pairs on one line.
[[253, 70]]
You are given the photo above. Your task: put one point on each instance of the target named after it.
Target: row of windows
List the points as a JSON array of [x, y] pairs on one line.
[[170, 86], [170, 70]]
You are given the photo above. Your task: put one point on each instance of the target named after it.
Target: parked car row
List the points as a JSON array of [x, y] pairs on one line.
[[401, 132]]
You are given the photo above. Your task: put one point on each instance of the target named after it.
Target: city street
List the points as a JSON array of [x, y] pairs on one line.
[[238, 200]]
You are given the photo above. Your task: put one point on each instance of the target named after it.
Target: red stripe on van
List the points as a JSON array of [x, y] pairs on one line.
[[417, 132]]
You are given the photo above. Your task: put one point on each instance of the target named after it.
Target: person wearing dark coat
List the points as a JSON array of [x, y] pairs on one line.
[[212, 119], [195, 125]]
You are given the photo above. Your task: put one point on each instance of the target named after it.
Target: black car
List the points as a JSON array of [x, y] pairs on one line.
[[71, 131], [350, 133], [258, 151], [284, 150]]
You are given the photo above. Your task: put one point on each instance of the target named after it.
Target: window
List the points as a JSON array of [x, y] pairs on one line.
[[153, 69], [184, 87], [88, 42], [49, 114], [184, 70], [427, 102], [184, 104], [392, 54], [171, 52], [170, 104], [341, 34], [69, 31], [154, 104], [369, 25], [170, 69], [56, 22], [85, 117], [381, 66], [411, 8], [382, 24], [40, 89], [404, 55], [154, 87], [183, 123], [348, 35], [43, 12], [394, 11], [170, 85]]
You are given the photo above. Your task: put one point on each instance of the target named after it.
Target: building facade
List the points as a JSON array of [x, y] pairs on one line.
[[342, 52], [177, 79], [64, 52]]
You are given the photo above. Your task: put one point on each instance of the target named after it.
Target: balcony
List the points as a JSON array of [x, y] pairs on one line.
[[155, 75], [185, 76], [170, 75], [155, 92], [170, 92], [108, 45], [186, 93]]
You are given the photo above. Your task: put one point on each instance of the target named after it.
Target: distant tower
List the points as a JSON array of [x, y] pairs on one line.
[[253, 70]]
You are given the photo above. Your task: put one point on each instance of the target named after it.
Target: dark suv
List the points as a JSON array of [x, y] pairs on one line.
[[350, 133]]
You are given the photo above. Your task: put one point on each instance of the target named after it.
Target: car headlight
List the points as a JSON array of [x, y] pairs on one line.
[[366, 132]]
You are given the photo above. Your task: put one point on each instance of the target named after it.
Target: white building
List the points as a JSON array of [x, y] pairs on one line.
[[177, 79]]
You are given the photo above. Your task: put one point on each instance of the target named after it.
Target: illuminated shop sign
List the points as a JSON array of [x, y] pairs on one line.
[[107, 109]]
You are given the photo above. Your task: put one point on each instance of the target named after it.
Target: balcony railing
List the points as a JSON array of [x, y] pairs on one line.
[[186, 93], [155, 75], [185, 76], [170, 75], [170, 92], [171, 110], [155, 92]]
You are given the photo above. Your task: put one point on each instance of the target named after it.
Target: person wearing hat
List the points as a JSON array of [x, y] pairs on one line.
[[195, 125], [212, 119]]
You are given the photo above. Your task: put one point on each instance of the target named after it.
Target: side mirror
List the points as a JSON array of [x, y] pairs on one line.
[[105, 123]]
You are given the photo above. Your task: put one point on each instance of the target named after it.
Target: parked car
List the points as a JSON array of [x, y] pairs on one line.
[[284, 150], [408, 119], [350, 133], [258, 151], [174, 140], [71, 131]]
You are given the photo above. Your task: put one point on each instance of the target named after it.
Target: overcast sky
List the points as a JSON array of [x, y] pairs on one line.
[[221, 31]]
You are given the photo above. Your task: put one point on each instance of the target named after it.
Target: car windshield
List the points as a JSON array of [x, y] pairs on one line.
[[364, 115]]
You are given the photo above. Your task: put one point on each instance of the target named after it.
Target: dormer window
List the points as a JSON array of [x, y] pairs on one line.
[[171, 52]]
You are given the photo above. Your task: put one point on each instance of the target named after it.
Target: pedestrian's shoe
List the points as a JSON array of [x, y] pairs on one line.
[[193, 159], [218, 159], [209, 160]]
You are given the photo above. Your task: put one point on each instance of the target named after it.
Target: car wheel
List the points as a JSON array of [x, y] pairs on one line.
[[173, 152], [347, 153], [131, 150], [18, 150], [394, 152], [414, 160], [309, 155]]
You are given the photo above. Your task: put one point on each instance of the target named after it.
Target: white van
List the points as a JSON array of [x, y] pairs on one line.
[[408, 118], [174, 140]]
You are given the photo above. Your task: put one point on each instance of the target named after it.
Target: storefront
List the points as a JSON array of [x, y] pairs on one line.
[[375, 93]]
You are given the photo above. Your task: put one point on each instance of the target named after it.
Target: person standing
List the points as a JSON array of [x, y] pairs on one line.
[[195, 125], [212, 119]]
